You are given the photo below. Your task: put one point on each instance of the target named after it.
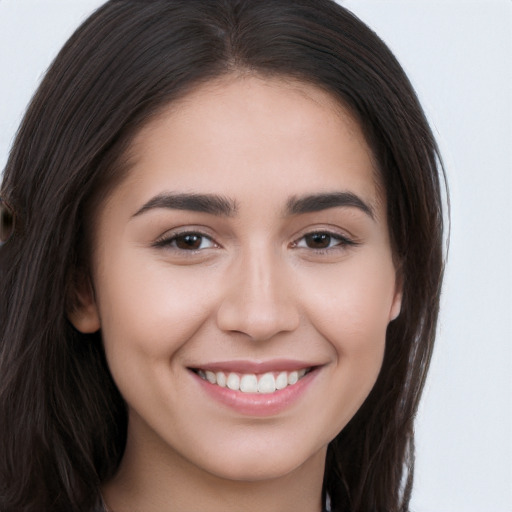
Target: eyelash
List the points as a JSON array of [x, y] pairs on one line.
[[170, 241], [341, 242]]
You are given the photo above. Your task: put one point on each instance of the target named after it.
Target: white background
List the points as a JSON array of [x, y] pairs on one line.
[[458, 55]]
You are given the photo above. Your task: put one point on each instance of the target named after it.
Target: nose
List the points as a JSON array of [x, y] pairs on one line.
[[259, 299]]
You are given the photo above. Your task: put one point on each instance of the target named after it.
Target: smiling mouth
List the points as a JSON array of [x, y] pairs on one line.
[[265, 383]]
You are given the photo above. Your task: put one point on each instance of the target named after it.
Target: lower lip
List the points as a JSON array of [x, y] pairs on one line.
[[258, 404]]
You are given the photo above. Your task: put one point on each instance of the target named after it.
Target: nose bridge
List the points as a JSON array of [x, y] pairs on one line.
[[259, 274], [259, 300]]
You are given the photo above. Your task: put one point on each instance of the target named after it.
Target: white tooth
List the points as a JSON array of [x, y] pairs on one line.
[[233, 382], [221, 379], [302, 373], [201, 374], [293, 377], [282, 380], [267, 383], [249, 383], [210, 377]]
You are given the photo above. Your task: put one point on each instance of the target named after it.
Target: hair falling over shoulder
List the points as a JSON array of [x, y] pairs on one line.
[[62, 419]]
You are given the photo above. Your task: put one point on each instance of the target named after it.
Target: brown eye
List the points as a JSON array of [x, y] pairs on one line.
[[323, 241], [186, 241], [190, 242], [6, 221], [318, 240]]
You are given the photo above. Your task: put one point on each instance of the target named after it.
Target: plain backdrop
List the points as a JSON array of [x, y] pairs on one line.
[[458, 55]]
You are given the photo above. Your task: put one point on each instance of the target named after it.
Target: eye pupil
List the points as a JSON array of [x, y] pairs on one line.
[[189, 242], [318, 240]]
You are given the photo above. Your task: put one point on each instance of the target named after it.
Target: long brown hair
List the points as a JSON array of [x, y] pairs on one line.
[[62, 419]]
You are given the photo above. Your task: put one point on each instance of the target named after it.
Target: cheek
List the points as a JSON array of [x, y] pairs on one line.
[[147, 316], [152, 310], [351, 306], [351, 312]]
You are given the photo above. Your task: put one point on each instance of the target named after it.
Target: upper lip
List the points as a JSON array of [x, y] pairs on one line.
[[246, 366]]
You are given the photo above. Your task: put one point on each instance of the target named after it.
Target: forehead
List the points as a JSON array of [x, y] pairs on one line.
[[239, 129]]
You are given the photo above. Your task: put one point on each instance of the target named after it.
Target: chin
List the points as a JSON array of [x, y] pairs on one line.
[[259, 466]]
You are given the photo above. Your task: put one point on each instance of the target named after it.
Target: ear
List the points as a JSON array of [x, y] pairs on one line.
[[396, 305], [82, 309]]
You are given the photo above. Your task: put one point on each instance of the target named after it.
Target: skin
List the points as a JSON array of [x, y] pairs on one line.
[[256, 289]]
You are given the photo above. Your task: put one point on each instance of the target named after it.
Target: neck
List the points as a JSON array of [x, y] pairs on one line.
[[156, 480]]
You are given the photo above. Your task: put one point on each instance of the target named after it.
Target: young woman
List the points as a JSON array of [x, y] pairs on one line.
[[221, 263]]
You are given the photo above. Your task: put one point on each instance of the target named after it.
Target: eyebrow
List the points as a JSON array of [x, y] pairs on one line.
[[319, 202], [204, 203], [225, 207]]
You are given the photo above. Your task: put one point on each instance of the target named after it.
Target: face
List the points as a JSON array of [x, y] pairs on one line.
[[243, 279]]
